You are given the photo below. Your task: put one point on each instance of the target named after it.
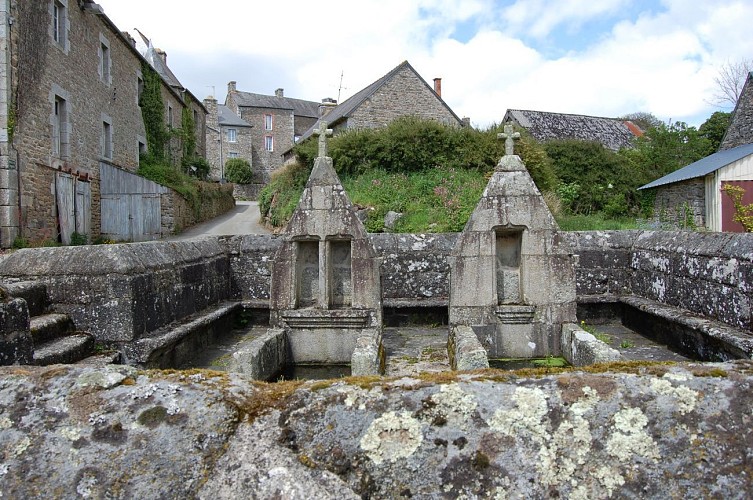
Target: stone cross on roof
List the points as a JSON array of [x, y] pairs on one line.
[[322, 132], [510, 137]]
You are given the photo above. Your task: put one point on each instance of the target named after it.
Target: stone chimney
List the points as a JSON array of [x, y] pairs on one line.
[[280, 93], [211, 104], [162, 55], [466, 121], [231, 86], [130, 39], [327, 105], [438, 86]]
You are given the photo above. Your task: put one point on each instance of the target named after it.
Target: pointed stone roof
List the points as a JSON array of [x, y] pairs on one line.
[[740, 129]]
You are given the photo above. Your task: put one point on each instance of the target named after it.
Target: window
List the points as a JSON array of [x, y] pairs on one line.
[[232, 154], [231, 135], [269, 143], [139, 88], [169, 116], [267, 122], [142, 147], [105, 62], [106, 138], [60, 23], [60, 128]]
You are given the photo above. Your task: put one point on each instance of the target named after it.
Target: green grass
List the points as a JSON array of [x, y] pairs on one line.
[[594, 222], [435, 200]]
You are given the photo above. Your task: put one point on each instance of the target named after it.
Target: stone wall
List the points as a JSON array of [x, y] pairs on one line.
[[709, 274], [682, 204], [403, 95], [119, 293], [178, 214]]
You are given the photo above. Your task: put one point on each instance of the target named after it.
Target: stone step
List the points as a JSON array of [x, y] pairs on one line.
[[33, 292], [102, 359], [66, 350], [50, 326]]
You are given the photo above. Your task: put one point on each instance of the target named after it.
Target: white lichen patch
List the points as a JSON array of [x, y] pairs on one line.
[[71, 433], [685, 397], [609, 478], [527, 418], [21, 446], [5, 423], [630, 436], [454, 404], [391, 437]]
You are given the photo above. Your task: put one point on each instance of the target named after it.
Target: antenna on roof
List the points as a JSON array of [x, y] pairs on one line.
[[341, 88], [211, 87]]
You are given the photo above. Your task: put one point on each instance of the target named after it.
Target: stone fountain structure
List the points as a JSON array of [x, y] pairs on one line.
[[512, 275], [326, 291]]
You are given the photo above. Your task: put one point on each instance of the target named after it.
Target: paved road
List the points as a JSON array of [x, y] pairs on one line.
[[243, 219]]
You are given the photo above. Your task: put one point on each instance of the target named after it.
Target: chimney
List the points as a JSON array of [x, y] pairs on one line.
[[162, 55], [438, 86], [466, 121], [231, 86], [280, 93], [327, 105], [130, 39], [211, 104]]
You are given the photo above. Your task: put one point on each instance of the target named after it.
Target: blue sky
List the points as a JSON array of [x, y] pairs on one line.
[[594, 57]]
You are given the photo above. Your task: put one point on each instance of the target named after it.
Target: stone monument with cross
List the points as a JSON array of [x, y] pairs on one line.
[[512, 278], [326, 288]]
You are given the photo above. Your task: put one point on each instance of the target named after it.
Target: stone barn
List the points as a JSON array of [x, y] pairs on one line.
[[693, 195]]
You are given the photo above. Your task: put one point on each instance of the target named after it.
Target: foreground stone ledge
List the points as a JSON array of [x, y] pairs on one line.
[[642, 430]]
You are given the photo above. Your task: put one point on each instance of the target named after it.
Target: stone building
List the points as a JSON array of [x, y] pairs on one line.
[[401, 92], [228, 136], [740, 129], [612, 133], [70, 83], [276, 123]]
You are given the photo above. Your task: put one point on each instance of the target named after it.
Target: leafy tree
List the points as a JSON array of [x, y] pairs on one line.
[[593, 178], [238, 171], [643, 119], [715, 127]]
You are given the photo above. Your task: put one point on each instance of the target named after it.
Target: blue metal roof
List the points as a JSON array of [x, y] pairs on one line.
[[703, 166]]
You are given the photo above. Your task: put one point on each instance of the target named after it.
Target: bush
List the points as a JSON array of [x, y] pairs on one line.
[[196, 167], [238, 171]]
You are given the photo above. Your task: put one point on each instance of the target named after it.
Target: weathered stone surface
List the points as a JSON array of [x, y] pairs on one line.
[[262, 357], [580, 348], [465, 351], [16, 345], [652, 431]]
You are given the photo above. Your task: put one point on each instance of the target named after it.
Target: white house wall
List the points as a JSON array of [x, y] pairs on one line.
[[740, 170]]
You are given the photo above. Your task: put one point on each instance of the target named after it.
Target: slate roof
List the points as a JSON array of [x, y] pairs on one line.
[[344, 110], [226, 118], [298, 106], [703, 166], [612, 133]]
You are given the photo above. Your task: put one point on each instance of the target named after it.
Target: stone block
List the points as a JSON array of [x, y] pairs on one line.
[[580, 348], [263, 357], [465, 350]]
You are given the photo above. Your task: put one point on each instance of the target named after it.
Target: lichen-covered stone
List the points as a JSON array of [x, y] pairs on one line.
[[641, 431]]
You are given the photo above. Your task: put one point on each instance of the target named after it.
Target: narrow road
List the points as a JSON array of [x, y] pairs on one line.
[[243, 219]]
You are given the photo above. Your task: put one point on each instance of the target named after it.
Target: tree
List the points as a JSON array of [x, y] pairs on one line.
[[643, 119], [730, 81], [714, 128]]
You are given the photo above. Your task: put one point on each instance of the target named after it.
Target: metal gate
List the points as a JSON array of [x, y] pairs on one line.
[[74, 203], [130, 205]]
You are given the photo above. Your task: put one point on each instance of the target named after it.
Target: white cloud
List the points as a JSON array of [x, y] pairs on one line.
[[662, 61]]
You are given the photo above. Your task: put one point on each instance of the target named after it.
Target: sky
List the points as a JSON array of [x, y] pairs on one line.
[[591, 57]]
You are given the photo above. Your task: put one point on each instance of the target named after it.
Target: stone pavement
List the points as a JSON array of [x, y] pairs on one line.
[[243, 219]]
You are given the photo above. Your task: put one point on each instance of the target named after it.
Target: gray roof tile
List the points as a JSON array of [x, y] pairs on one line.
[[227, 118], [299, 107]]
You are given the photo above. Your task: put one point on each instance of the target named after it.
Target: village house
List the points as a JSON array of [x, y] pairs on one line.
[[275, 124], [612, 133], [70, 115], [401, 92], [228, 136]]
